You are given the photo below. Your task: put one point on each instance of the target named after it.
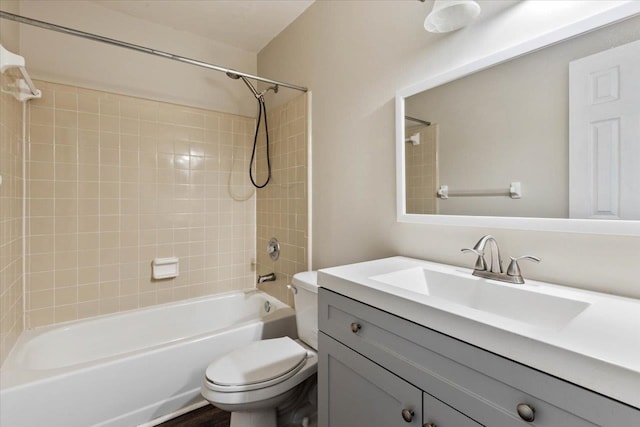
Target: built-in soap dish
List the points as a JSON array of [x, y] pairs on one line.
[[164, 268]]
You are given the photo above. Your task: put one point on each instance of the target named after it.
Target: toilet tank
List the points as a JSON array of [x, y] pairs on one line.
[[305, 295]]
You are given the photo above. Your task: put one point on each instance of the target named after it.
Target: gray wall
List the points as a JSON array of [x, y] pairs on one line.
[[354, 56]]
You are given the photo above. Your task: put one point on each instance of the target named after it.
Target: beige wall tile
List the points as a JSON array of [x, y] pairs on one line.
[[42, 207], [66, 278], [116, 181], [282, 206], [89, 275], [40, 281], [11, 197], [88, 101], [41, 152], [65, 119], [88, 309], [41, 299], [65, 313], [41, 134], [40, 115], [41, 244], [40, 317], [88, 121], [66, 136], [421, 173], [88, 292], [64, 296]]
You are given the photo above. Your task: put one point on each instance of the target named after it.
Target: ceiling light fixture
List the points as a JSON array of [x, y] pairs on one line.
[[450, 15]]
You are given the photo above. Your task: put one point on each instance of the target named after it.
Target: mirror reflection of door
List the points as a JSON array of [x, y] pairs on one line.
[[604, 148], [421, 168]]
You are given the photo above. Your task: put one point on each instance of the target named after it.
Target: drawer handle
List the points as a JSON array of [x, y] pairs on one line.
[[526, 412], [355, 327], [407, 415], [429, 425]]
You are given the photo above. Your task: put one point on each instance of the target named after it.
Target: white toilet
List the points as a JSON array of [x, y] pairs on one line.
[[252, 382]]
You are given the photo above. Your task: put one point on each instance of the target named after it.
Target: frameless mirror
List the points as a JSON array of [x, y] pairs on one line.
[[523, 143]]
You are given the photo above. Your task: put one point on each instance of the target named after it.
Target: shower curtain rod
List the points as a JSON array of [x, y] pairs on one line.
[[97, 38], [413, 119]]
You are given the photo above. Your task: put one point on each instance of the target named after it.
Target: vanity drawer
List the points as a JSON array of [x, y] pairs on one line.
[[486, 387]]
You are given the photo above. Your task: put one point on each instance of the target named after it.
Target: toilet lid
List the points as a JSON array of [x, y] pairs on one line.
[[258, 362]]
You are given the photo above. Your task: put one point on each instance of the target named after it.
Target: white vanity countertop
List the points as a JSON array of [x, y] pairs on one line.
[[599, 349]]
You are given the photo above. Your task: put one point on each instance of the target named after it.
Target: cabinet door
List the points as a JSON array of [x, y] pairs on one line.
[[355, 392], [435, 413]]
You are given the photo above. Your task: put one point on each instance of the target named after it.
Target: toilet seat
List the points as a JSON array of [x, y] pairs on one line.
[[229, 399], [258, 365]]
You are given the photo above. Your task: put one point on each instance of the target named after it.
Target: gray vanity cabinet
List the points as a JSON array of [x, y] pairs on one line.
[[362, 394], [373, 365]]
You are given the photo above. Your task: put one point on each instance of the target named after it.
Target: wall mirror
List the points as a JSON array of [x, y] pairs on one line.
[[545, 136]]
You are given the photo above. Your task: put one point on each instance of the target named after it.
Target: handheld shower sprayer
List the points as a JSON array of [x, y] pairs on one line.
[[262, 107], [252, 88]]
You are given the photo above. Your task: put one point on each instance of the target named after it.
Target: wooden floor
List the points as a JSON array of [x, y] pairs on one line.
[[207, 416]]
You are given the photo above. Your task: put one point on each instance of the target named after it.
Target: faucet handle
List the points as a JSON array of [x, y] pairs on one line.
[[514, 268], [481, 264]]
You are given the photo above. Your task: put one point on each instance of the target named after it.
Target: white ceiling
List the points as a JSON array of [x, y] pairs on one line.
[[245, 24]]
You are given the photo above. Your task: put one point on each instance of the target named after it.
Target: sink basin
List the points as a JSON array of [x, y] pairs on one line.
[[515, 302]]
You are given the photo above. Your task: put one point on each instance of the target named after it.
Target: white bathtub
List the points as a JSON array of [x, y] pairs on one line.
[[129, 368]]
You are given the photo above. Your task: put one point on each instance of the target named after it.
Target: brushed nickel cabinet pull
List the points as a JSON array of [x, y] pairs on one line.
[[407, 415], [526, 412]]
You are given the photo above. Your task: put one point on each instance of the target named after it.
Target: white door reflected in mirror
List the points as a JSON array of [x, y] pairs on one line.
[[604, 134]]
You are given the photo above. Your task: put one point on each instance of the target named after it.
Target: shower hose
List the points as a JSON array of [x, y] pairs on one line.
[[262, 107]]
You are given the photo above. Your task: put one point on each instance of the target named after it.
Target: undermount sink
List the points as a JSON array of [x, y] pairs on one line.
[[514, 302]]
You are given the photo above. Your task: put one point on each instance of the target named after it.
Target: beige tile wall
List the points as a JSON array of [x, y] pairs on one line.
[[422, 170], [282, 205], [115, 181], [11, 196]]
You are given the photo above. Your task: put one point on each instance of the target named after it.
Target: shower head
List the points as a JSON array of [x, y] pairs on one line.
[[233, 76]]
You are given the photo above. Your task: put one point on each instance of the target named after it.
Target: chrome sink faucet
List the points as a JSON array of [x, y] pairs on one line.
[[479, 248], [495, 272]]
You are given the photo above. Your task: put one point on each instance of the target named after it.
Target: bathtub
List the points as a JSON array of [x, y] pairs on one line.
[[129, 368]]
